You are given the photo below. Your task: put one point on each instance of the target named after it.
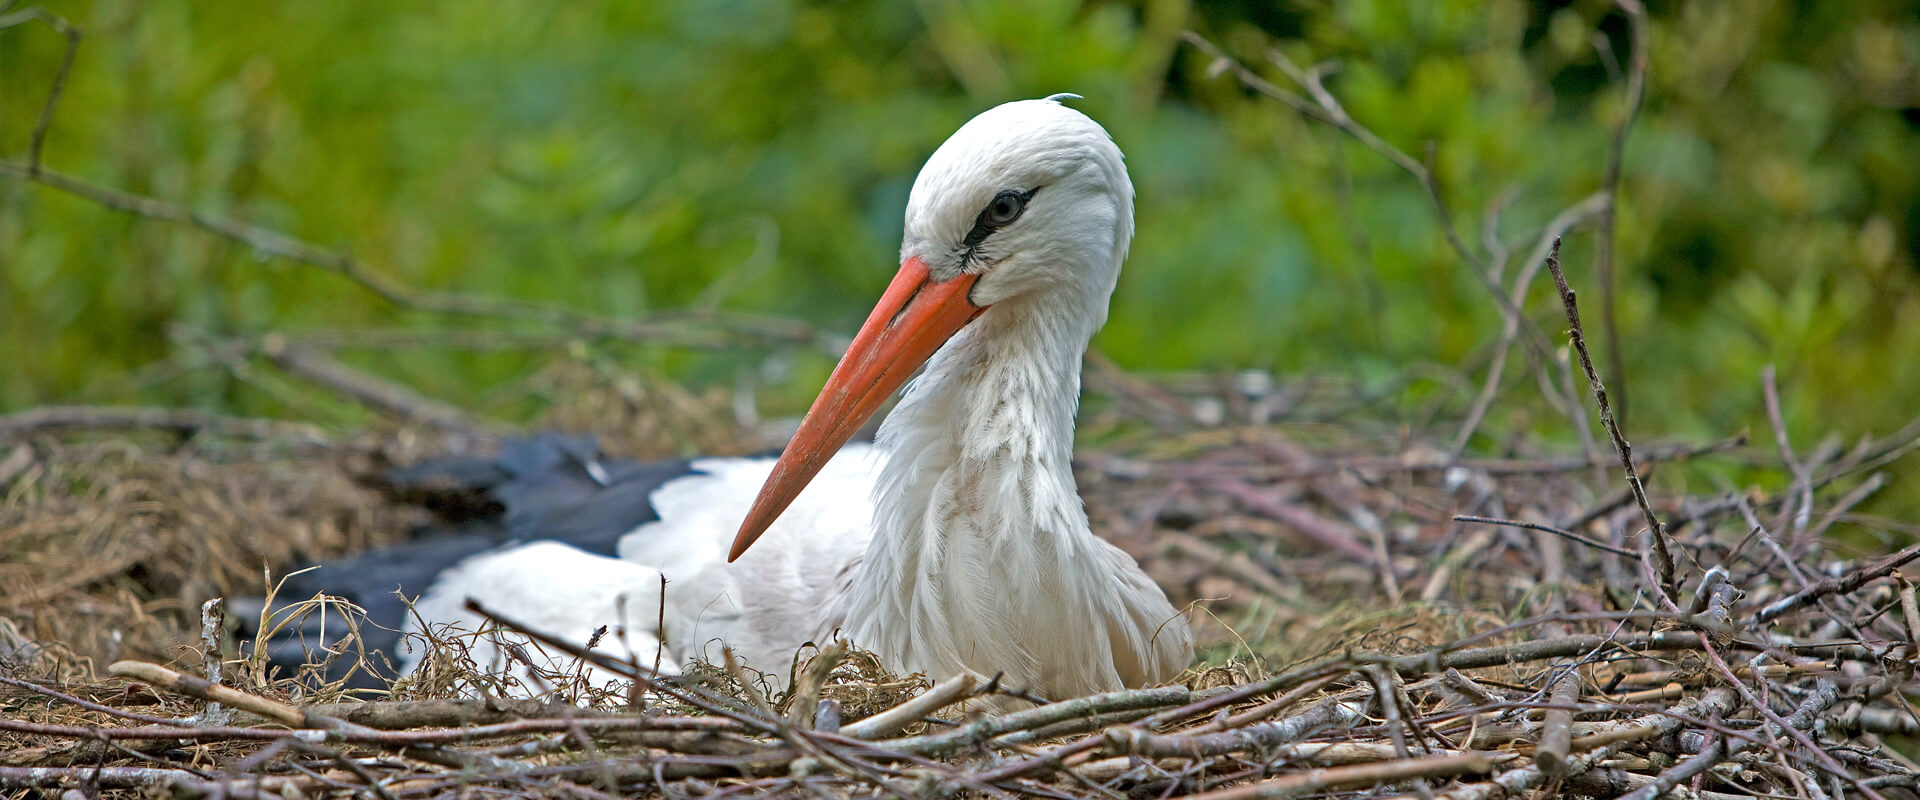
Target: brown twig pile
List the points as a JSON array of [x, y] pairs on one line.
[[1383, 622]]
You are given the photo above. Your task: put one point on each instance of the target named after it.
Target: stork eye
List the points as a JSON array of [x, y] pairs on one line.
[[1006, 207], [1000, 212]]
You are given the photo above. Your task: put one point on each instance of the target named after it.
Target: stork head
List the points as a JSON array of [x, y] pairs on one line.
[[1029, 201]]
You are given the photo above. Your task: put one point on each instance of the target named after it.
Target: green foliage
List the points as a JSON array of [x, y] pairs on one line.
[[628, 157]]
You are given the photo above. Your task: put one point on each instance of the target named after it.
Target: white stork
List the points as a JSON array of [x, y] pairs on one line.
[[958, 542]]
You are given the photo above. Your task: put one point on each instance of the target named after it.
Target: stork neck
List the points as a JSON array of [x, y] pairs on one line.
[[987, 424], [977, 491]]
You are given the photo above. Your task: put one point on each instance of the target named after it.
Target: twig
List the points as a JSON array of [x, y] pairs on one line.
[[1841, 585], [90, 705], [1518, 781], [180, 421], [372, 391], [66, 29], [986, 729], [120, 778], [1556, 729], [1320, 529], [214, 693], [686, 329], [1560, 532], [212, 618], [1510, 327], [1663, 556], [1319, 780], [1264, 736], [892, 720], [697, 698], [1722, 748], [1610, 186]]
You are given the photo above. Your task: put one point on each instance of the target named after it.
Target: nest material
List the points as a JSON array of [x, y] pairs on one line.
[[1363, 641]]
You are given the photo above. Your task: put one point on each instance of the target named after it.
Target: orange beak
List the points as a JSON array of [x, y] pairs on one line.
[[911, 321]]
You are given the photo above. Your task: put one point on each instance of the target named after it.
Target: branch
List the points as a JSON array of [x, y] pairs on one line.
[[1663, 556], [1610, 186], [61, 26], [1326, 108], [1510, 326], [690, 329], [1841, 585], [1314, 781], [181, 421]]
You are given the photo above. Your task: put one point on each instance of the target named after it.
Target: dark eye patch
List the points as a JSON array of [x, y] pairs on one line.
[[1001, 211]]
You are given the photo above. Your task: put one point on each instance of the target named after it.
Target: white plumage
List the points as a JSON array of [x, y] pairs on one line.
[[959, 541]]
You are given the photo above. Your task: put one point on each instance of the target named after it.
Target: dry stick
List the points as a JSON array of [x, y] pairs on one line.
[[398, 714], [1556, 729], [1320, 780], [645, 730], [122, 778], [890, 721], [988, 728], [212, 617], [66, 29], [90, 705], [1262, 737], [697, 698], [215, 693], [1823, 698], [1610, 185], [379, 394], [815, 746], [689, 330], [1845, 504], [1262, 711], [1207, 705], [15, 462], [1510, 327], [1517, 782], [1392, 718], [1841, 585], [1909, 611], [1320, 529], [1560, 532], [1327, 109], [1563, 686], [1663, 556], [181, 421], [1724, 748], [1802, 476], [290, 716]]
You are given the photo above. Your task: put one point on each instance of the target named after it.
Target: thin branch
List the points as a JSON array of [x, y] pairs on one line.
[[1560, 532], [1841, 585], [1326, 108], [1663, 557], [180, 421], [72, 34], [689, 329], [1610, 186], [1510, 327]]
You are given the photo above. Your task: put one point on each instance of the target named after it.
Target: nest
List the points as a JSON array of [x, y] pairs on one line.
[[1378, 621]]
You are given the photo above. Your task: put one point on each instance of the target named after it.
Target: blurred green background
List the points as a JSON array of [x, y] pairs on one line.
[[754, 156]]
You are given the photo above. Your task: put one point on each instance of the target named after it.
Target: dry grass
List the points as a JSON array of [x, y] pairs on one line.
[[109, 547]]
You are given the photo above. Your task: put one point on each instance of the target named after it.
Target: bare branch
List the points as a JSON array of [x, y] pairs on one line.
[[1610, 186], [1663, 556]]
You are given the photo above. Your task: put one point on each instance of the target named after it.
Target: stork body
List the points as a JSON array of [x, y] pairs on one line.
[[958, 541]]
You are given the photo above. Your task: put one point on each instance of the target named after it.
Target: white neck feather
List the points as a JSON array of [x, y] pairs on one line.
[[981, 557]]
